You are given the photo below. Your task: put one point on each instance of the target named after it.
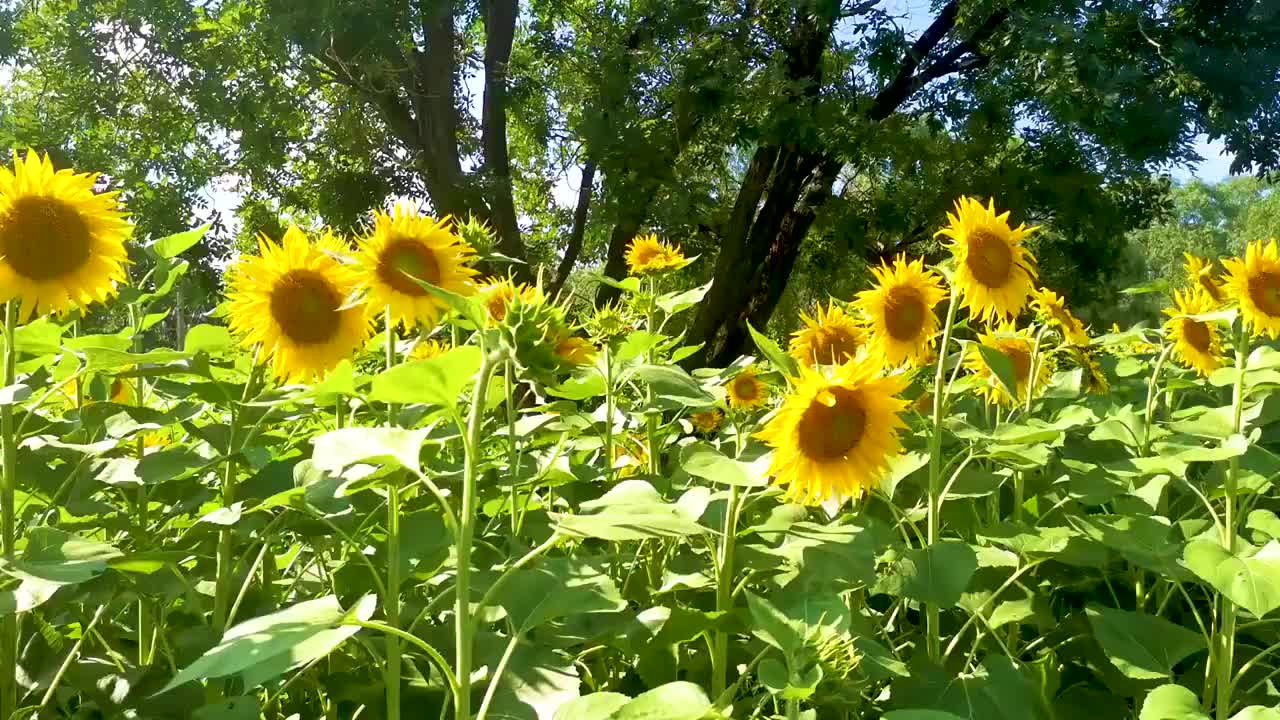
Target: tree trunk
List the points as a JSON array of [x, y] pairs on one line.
[[500, 26], [574, 247]]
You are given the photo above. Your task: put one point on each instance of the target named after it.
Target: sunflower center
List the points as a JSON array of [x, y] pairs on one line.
[[402, 261], [1196, 334], [904, 313], [829, 432], [1020, 358], [44, 238], [990, 258], [305, 305], [834, 346], [745, 388], [1264, 289]]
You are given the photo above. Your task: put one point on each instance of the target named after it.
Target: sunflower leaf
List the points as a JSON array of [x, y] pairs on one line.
[[1001, 366], [773, 353]]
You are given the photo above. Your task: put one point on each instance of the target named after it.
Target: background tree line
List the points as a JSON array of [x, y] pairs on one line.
[[788, 142]]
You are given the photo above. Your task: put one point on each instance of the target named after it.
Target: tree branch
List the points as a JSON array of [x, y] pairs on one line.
[[499, 25], [574, 246]]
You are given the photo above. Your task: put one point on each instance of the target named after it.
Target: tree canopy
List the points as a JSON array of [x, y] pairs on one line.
[[788, 142]]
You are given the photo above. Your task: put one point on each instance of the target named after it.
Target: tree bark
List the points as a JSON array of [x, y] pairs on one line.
[[574, 247], [500, 27]]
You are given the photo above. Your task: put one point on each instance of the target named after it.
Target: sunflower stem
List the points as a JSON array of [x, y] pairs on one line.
[[466, 528], [1148, 419], [142, 502], [608, 409], [651, 418], [513, 450], [932, 620], [1227, 631], [391, 603], [724, 589], [8, 532]]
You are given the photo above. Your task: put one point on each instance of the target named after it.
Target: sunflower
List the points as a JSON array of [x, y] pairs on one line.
[[707, 422], [836, 432], [994, 272], [1255, 283], [61, 244], [899, 311], [629, 456], [496, 294], [405, 247], [1196, 344], [647, 255], [1200, 273], [121, 392], [294, 300], [1053, 308], [427, 349], [1095, 377], [829, 339], [573, 350], [746, 390], [1017, 347]]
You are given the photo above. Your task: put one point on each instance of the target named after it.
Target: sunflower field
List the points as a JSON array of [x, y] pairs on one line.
[[379, 484]]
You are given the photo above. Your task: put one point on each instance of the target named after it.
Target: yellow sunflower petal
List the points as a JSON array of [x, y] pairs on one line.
[[1254, 282], [1200, 274], [647, 255], [995, 274], [835, 434], [405, 246], [830, 338], [294, 301], [1053, 308], [62, 246], [899, 312], [1017, 346], [1196, 344]]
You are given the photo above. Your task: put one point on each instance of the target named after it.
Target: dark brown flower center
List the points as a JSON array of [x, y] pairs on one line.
[[403, 260], [834, 346], [745, 388], [305, 306], [904, 313], [990, 258], [44, 238], [1264, 289], [829, 432], [1196, 334]]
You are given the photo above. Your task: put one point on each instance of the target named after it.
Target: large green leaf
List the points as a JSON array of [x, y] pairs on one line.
[[62, 557], [1142, 646], [1172, 702], [632, 510], [773, 626], [938, 574], [673, 701], [770, 350], [596, 706], [268, 646], [174, 245], [673, 388], [1250, 580], [436, 381], [704, 461], [337, 449], [557, 587]]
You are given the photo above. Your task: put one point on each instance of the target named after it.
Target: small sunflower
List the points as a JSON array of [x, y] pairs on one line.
[[293, 299], [403, 246], [994, 273], [121, 392], [1196, 344], [647, 255], [899, 311], [496, 294], [1200, 273], [629, 456], [831, 338], [836, 433], [61, 244], [1095, 378], [707, 422], [573, 350], [427, 349], [746, 390], [1017, 347], [1053, 308], [1255, 283]]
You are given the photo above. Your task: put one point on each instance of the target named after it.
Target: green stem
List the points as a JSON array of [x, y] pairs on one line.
[[932, 620], [392, 601], [1227, 632], [608, 410], [651, 418], [8, 531], [1149, 417], [71, 656], [513, 450], [497, 675], [724, 591], [793, 709], [142, 502], [466, 529]]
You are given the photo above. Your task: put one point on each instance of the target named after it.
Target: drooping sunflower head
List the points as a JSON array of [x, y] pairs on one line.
[[1196, 343], [1017, 348], [62, 246], [1201, 274], [496, 294], [1094, 378], [537, 334], [836, 433], [1052, 308], [647, 255], [1254, 282], [899, 311], [746, 390], [295, 299], [707, 421], [830, 338], [994, 273], [427, 349], [405, 247], [121, 392]]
